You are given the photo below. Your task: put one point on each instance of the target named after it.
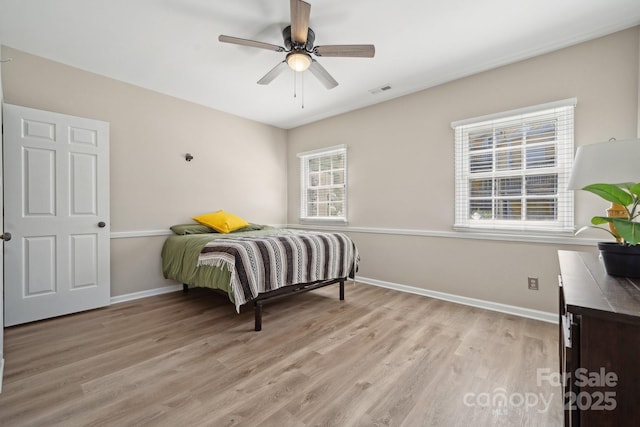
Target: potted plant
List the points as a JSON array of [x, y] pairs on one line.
[[621, 258]]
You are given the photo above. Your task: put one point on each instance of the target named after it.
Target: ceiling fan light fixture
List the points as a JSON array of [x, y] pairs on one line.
[[299, 61]]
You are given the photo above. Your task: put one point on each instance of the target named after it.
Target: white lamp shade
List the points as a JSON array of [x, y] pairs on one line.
[[612, 162], [298, 61]]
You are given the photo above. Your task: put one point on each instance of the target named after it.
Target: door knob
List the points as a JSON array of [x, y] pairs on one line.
[[5, 236], [101, 224]]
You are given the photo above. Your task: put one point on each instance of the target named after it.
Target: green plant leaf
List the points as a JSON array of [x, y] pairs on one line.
[[611, 193], [629, 230], [597, 220], [635, 189]]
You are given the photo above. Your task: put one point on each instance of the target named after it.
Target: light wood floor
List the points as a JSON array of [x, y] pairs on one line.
[[380, 358]]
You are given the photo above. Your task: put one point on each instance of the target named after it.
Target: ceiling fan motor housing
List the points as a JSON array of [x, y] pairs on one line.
[[290, 45]]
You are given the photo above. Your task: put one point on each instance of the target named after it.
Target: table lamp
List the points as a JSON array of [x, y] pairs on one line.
[[611, 162]]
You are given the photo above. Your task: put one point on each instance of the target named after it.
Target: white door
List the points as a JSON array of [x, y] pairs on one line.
[[56, 200]]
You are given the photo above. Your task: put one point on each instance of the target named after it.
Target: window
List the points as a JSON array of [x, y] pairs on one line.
[[512, 169], [323, 191]]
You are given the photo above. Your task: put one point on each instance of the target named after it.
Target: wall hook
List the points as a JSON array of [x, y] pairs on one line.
[[188, 157]]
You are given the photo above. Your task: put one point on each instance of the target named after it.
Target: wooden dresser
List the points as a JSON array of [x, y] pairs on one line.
[[599, 334]]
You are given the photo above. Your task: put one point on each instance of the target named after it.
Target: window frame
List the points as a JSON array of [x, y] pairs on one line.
[[306, 186], [562, 112]]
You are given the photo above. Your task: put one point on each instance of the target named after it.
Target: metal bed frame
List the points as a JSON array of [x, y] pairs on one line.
[[283, 292]]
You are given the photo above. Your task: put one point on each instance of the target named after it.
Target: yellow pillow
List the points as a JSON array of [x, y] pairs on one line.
[[221, 221]]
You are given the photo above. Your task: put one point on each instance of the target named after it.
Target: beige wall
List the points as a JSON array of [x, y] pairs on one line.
[[401, 168], [239, 165], [400, 164]]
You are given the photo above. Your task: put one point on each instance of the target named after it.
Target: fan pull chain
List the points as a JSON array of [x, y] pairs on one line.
[[295, 85]]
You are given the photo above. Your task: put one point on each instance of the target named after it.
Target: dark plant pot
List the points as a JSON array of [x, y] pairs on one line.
[[620, 260]]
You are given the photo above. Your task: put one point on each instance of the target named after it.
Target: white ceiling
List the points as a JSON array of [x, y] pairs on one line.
[[171, 46]]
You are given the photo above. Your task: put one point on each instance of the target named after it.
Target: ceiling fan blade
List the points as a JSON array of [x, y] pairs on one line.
[[275, 72], [300, 12], [322, 74], [346, 50], [250, 43]]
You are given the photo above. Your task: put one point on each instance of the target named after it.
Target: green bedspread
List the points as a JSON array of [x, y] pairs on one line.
[[180, 259]]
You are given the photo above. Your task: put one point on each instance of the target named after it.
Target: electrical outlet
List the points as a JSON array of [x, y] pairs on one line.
[[533, 283]]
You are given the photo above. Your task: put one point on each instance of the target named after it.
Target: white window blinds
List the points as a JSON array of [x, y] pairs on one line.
[[323, 187], [512, 170]]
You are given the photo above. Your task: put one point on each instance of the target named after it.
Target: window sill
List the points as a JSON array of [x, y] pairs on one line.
[[323, 221], [514, 231]]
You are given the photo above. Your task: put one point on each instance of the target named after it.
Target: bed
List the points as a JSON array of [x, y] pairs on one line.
[[259, 263]]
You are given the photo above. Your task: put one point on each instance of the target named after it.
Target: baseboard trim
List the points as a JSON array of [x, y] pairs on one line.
[[487, 305], [1, 372], [144, 294]]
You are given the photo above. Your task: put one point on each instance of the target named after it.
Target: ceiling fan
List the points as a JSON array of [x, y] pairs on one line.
[[298, 43]]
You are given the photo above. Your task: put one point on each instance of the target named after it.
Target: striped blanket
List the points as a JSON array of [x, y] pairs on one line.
[[265, 263]]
